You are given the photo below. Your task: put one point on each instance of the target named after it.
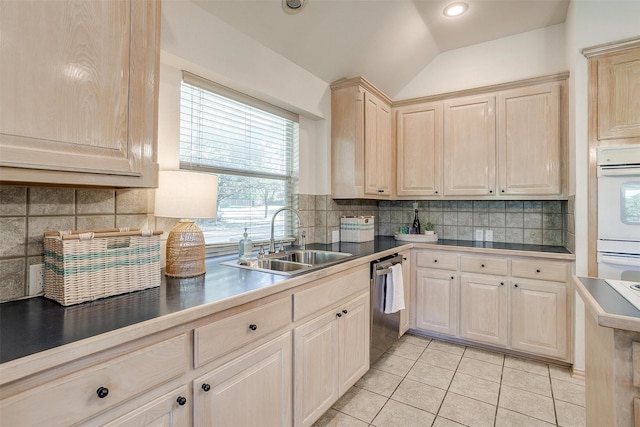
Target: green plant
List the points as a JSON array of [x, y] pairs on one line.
[[428, 226]]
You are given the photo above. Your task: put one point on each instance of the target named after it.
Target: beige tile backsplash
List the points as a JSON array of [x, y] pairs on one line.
[[26, 212]]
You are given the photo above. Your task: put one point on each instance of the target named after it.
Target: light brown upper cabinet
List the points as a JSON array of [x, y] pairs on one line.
[[362, 152], [618, 92], [470, 146], [529, 140], [78, 92], [419, 150]]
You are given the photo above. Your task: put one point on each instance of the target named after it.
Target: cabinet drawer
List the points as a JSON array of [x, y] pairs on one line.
[[484, 265], [330, 291], [223, 336], [440, 260], [73, 398], [540, 269]]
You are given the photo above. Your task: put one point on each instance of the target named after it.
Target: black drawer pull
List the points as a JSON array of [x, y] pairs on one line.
[[338, 314], [253, 327], [345, 311], [206, 387], [102, 392], [537, 270], [181, 400]]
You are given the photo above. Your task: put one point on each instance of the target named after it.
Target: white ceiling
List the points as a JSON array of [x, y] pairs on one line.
[[387, 41]]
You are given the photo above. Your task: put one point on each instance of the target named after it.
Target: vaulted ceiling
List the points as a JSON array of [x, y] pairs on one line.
[[387, 41]]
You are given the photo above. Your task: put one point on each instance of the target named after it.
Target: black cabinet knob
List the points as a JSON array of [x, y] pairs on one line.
[[345, 311], [206, 387], [501, 283], [380, 191], [435, 260], [490, 191], [502, 191], [404, 259], [102, 392], [338, 314], [451, 277], [253, 327], [436, 191], [482, 265], [537, 270], [181, 400], [516, 285]]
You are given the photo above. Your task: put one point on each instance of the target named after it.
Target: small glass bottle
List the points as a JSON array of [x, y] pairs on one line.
[[245, 248], [415, 228]]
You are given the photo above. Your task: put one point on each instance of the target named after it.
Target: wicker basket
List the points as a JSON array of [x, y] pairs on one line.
[[90, 265]]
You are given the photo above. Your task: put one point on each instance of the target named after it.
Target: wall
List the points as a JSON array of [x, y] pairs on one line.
[[197, 41], [534, 53]]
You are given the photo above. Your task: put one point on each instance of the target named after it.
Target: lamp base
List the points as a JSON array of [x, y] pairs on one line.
[[185, 250]]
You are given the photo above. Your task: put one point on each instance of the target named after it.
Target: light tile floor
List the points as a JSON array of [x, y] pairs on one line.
[[421, 382]]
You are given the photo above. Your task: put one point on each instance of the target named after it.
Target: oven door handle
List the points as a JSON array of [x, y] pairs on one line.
[[618, 260], [618, 171]]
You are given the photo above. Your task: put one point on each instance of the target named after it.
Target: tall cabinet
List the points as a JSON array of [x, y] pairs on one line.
[[614, 113], [78, 92], [362, 151]]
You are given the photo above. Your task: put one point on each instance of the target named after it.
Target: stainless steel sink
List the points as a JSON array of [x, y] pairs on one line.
[[314, 257], [292, 262]]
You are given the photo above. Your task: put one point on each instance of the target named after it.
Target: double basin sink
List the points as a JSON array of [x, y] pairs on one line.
[[292, 262]]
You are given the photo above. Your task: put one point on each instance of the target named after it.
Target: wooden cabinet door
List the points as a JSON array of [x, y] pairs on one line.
[[377, 147], [484, 309], [316, 368], [469, 146], [436, 301], [165, 411], [529, 140], [254, 389], [419, 150], [354, 341], [405, 316], [78, 92], [618, 95], [539, 317]]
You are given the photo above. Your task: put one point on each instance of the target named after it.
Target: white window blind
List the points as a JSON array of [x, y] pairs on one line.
[[253, 148]]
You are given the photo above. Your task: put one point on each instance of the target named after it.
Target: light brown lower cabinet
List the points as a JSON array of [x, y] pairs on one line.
[[539, 318], [509, 302], [252, 390], [484, 314], [331, 354], [169, 410], [436, 301]]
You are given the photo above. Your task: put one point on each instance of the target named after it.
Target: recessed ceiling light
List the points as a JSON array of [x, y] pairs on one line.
[[293, 6], [455, 9]]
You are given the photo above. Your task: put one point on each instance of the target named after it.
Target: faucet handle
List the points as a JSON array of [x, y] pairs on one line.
[[261, 252], [303, 240], [281, 247]]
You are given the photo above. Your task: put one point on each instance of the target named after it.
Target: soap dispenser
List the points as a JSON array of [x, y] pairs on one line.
[[246, 247]]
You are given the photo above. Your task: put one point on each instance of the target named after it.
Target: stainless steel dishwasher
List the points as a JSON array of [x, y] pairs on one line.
[[384, 327]]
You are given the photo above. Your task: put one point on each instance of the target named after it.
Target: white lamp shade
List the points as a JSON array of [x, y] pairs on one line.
[[186, 194]]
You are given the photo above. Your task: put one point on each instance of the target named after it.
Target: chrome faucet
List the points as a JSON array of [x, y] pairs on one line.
[[272, 243]]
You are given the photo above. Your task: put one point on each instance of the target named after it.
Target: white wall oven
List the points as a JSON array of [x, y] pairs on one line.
[[619, 212]]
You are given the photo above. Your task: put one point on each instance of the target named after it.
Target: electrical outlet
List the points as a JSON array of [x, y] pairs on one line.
[[479, 235], [488, 236], [36, 279]]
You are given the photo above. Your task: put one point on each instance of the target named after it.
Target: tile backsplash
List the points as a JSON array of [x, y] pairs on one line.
[[26, 212]]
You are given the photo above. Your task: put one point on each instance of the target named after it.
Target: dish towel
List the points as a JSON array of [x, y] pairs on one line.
[[394, 296]]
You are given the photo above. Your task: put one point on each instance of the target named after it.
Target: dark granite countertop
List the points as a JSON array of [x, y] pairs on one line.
[[34, 325], [611, 304]]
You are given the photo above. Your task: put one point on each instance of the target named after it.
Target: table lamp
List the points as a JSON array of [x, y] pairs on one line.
[[186, 194]]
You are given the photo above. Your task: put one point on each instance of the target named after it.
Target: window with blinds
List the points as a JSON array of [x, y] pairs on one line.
[[253, 148]]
